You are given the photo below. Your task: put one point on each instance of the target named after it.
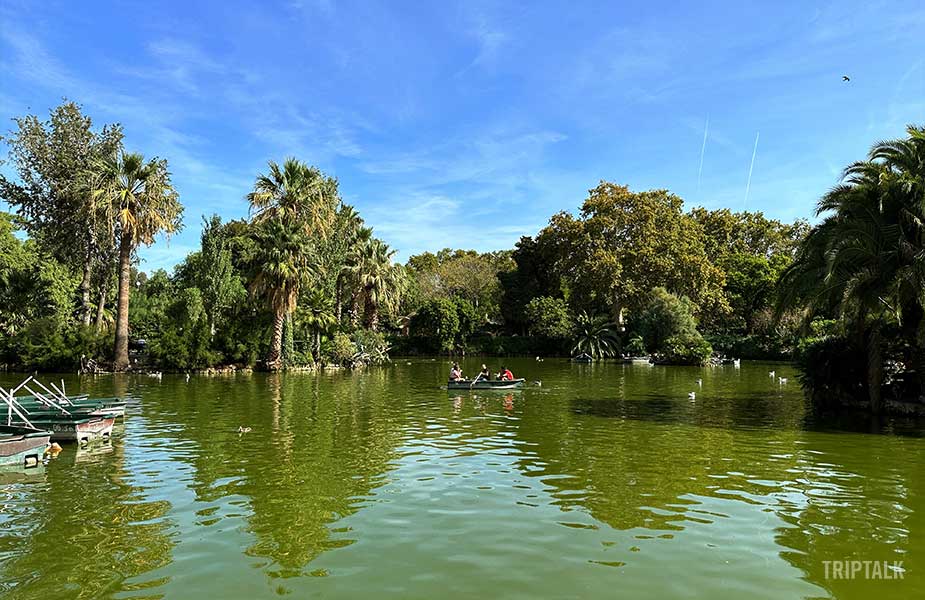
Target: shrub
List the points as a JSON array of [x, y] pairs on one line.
[[833, 370], [686, 349], [636, 346], [371, 347], [342, 349], [46, 345], [664, 316]]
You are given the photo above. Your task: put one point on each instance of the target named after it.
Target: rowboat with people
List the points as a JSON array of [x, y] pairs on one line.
[[485, 384], [504, 380]]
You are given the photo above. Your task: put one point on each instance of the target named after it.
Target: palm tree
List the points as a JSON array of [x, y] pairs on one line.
[[595, 336], [379, 282], [278, 266], [350, 273], [350, 234], [317, 315], [140, 202], [295, 192], [865, 261]]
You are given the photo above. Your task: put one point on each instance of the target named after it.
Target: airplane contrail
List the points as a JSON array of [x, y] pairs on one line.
[[703, 148], [750, 169]]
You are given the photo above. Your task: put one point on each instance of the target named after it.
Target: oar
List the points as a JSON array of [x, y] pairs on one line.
[[47, 401], [10, 403]]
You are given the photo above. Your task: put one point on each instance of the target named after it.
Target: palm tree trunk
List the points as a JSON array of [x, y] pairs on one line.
[[120, 360], [85, 309], [316, 349], [338, 300], [875, 370], [372, 313], [101, 307], [355, 308], [276, 341]]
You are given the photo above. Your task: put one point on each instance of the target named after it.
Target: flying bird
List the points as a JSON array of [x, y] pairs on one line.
[[845, 78]]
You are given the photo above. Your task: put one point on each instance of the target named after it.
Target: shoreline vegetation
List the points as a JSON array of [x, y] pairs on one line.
[[303, 282]]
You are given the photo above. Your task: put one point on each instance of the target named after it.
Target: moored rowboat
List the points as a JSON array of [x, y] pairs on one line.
[[80, 428], [485, 384], [22, 446], [96, 406]]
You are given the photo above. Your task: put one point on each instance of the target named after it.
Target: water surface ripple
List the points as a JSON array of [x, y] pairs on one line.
[[606, 481]]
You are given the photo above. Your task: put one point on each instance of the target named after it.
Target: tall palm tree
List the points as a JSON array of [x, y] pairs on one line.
[[865, 261], [351, 273], [295, 191], [140, 202], [595, 336], [279, 265], [379, 282], [349, 233]]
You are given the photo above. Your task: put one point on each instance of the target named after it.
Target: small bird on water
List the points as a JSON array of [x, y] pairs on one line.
[[691, 396], [700, 382], [243, 429], [771, 374], [782, 380]]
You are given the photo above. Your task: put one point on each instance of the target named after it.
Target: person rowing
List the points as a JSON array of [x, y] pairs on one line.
[[456, 373], [485, 374]]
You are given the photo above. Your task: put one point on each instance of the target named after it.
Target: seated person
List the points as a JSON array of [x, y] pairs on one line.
[[456, 373], [506, 374], [484, 373]]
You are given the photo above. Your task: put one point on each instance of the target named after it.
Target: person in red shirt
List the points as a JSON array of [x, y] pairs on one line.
[[506, 374]]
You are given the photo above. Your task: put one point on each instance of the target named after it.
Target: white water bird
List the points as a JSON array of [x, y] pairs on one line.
[[700, 382], [737, 362], [243, 429], [691, 396], [187, 377], [782, 380], [771, 374]]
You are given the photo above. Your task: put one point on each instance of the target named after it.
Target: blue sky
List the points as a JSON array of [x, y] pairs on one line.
[[468, 124]]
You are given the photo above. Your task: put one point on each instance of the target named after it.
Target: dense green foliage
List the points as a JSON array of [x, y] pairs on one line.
[[864, 264], [302, 280], [664, 316], [235, 301]]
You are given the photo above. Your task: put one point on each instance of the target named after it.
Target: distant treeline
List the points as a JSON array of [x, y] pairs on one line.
[[303, 281]]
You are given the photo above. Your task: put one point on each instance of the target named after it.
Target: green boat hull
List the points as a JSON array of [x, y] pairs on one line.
[[75, 428], [485, 384], [22, 446]]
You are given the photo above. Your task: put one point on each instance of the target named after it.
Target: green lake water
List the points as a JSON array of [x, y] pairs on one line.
[[604, 482]]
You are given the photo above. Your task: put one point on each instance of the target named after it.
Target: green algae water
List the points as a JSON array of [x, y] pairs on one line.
[[605, 481]]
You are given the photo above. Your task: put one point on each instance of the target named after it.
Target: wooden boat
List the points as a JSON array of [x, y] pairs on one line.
[[97, 406], [22, 446], [637, 359], [81, 428], [485, 384]]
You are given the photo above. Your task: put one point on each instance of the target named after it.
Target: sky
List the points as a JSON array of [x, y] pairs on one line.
[[469, 124]]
